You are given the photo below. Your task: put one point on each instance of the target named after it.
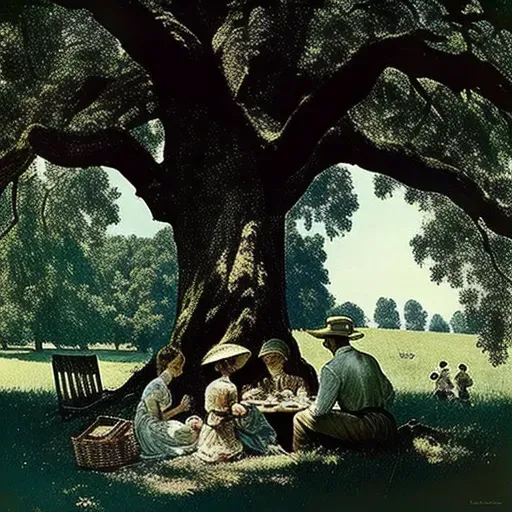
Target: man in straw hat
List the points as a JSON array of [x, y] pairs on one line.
[[354, 380]]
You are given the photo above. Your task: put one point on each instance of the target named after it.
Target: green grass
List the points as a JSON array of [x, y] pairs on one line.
[[27, 370], [412, 375], [37, 471]]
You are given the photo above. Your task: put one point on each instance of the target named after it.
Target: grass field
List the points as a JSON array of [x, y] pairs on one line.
[[27, 370], [37, 471], [412, 375]]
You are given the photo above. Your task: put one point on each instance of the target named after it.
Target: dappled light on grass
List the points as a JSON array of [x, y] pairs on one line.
[[188, 475], [39, 469], [437, 453]]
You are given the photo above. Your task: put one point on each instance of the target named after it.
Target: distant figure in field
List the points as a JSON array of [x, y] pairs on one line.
[[443, 382], [463, 382]]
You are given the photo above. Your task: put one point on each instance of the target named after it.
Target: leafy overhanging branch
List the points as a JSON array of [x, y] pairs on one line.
[[15, 162], [488, 249], [171, 54], [126, 100], [352, 83], [112, 147], [347, 144]]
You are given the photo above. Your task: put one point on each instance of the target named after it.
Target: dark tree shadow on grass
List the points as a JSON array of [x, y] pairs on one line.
[[38, 468]]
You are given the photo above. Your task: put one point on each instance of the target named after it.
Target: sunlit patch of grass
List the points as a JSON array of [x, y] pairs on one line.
[[437, 453], [412, 375], [189, 475], [27, 370]]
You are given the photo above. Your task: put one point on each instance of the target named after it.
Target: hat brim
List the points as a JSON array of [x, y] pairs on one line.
[[241, 354], [329, 333], [240, 361], [272, 351]]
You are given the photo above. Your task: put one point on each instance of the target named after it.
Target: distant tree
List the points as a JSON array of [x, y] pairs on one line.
[[47, 282], [351, 310], [386, 314], [415, 316], [460, 324], [139, 277], [438, 324], [15, 326]]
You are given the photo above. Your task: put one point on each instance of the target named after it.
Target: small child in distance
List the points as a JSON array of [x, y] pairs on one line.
[[463, 382]]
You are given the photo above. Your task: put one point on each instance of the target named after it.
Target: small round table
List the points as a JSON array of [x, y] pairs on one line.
[[281, 419]]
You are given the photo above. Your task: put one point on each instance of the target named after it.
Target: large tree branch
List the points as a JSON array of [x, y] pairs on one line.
[[170, 53], [111, 147], [347, 144], [354, 81]]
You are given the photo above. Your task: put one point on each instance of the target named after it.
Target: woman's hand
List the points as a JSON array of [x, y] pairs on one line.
[[185, 403], [238, 410]]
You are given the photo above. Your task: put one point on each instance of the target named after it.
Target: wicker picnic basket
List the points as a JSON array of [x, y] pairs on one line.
[[108, 443]]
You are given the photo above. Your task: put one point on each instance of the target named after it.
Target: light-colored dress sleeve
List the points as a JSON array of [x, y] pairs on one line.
[[160, 438], [157, 400]]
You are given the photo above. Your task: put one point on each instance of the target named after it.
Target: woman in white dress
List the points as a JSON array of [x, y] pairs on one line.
[[230, 427], [160, 436]]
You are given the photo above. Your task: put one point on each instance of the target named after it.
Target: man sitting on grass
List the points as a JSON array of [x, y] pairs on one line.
[[354, 380]]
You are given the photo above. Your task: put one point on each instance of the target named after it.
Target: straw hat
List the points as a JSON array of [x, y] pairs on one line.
[[337, 326], [275, 346], [225, 351]]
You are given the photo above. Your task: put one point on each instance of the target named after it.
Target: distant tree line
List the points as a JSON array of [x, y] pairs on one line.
[[386, 316]]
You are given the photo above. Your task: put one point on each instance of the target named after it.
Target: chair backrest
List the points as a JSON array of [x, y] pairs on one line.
[[77, 380]]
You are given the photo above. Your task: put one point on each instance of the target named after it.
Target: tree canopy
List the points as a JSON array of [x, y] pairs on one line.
[[386, 314], [351, 310], [415, 316], [48, 284], [459, 323], [438, 324], [255, 100]]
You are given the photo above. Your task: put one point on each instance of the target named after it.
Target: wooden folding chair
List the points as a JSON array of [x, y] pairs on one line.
[[77, 381]]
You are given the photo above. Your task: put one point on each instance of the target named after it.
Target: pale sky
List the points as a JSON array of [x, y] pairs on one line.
[[373, 260]]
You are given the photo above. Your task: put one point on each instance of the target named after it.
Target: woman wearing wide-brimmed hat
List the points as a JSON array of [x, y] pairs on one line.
[[274, 353], [230, 427], [355, 381]]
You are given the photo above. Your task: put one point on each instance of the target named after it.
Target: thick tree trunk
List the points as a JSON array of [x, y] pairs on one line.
[[228, 227], [231, 285], [38, 345]]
